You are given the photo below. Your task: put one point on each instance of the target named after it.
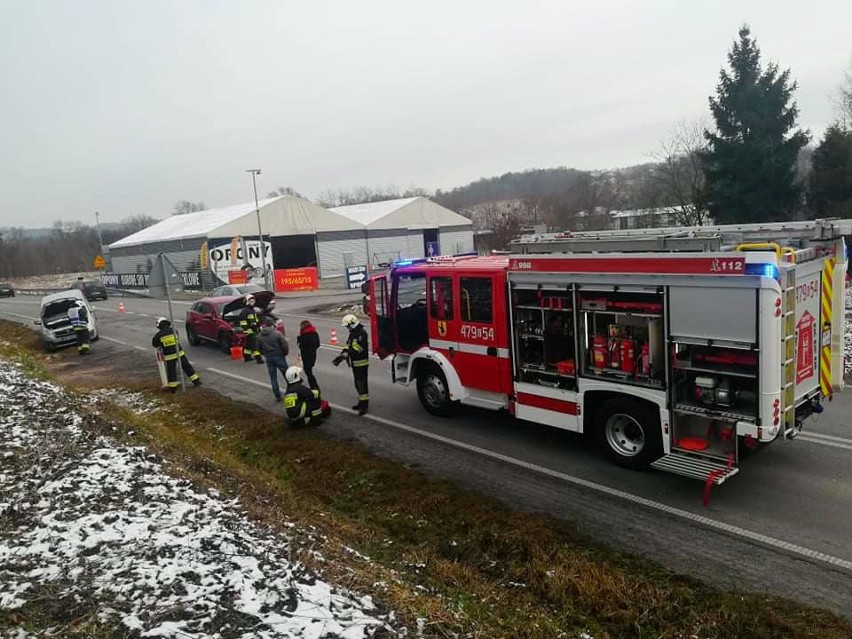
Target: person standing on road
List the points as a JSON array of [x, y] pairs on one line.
[[309, 343], [250, 325], [167, 340], [357, 353], [275, 349], [302, 405], [79, 317]]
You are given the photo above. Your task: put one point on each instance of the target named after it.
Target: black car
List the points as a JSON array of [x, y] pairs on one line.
[[6, 290], [91, 289]]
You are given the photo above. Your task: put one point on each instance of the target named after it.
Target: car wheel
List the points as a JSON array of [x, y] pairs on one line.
[[629, 433], [49, 347], [191, 337], [225, 342], [433, 391]]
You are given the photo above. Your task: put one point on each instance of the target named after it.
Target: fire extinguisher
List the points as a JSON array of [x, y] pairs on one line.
[[628, 356], [614, 352], [645, 360], [599, 351]]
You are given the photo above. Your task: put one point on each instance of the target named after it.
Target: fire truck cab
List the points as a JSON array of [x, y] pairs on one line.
[[681, 349]]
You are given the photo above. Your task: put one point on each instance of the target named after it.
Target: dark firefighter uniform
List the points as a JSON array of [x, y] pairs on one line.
[[79, 317], [303, 405], [167, 340], [250, 324], [357, 351]]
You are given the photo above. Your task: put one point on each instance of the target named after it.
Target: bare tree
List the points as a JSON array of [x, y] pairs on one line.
[[284, 190], [681, 175], [136, 223], [183, 207], [844, 101]]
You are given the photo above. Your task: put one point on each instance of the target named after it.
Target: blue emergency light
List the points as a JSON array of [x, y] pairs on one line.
[[763, 269]]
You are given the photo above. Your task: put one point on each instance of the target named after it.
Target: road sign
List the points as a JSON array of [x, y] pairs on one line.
[[355, 276], [99, 262]]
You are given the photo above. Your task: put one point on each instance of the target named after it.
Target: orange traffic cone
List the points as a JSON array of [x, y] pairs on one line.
[[333, 340], [121, 307]]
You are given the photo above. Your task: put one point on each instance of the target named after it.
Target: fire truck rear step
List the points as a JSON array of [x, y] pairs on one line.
[[695, 467]]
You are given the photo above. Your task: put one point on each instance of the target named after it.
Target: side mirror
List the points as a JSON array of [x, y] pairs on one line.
[[365, 288]]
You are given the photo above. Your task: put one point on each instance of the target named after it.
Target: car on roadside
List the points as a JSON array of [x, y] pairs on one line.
[[6, 290], [215, 319], [92, 289], [54, 323], [236, 289]]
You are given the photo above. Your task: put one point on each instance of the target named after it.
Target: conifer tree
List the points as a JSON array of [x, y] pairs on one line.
[[750, 164], [831, 174]]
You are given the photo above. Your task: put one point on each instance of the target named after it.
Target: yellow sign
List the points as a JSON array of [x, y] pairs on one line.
[[99, 262], [203, 260], [442, 328]]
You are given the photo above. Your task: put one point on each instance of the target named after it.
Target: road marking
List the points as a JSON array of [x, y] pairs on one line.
[[118, 341], [831, 438], [833, 444], [771, 542], [29, 317]]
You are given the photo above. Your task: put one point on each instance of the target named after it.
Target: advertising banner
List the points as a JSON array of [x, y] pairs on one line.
[[244, 256], [296, 279], [355, 276]]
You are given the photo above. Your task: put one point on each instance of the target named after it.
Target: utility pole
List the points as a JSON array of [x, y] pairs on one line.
[[98, 227], [254, 174]]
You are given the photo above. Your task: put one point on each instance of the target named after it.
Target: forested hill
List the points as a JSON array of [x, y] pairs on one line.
[[560, 192]]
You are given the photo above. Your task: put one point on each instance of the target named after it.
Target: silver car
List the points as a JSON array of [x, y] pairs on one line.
[[56, 330]]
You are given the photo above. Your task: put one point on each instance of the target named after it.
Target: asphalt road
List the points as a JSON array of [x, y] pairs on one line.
[[782, 525]]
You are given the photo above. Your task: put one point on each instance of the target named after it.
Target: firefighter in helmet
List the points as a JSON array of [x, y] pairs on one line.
[[250, 325], [357, 353], [167, 340], [79, 317], [303, 405]]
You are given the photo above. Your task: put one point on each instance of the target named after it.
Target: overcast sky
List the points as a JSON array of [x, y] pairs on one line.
[[125, 107]]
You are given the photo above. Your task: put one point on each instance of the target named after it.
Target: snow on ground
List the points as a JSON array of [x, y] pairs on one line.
[[88, 520]]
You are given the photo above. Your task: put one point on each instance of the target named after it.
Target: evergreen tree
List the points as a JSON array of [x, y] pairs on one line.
[[750, 164], [831, 174]]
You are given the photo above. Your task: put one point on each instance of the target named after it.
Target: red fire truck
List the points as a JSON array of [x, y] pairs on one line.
[[679, 349]]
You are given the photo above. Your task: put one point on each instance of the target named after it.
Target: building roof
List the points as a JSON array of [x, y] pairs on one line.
[[283, 215], [405, 213]]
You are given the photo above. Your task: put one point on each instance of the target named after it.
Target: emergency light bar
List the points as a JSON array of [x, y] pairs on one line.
[[764, 269]]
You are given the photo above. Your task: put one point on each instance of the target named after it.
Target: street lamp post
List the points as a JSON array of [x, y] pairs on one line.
[[98, 227], [254, 174]]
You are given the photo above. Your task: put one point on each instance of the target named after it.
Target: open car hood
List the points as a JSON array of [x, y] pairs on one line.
[[262, 300]]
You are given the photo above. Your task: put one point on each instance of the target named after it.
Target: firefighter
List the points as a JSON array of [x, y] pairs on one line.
[[357, 354], [167, 340], [303, 405], [79, 317], [250, 325]]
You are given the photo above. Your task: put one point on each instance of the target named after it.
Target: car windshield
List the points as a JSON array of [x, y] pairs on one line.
[[220, 308], [249, 288]]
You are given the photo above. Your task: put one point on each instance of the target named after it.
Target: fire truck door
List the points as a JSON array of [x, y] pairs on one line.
[[443, 320], [383, 336], [482, 360]]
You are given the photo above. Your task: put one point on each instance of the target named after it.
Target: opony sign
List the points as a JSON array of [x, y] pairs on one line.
[[222, 260]]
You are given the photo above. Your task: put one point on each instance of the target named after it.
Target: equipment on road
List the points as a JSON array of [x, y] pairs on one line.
[[678, 349], [161, 368], [333, 339], [121, 308]]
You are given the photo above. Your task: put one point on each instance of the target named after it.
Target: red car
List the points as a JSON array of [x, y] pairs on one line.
[[214, 319]]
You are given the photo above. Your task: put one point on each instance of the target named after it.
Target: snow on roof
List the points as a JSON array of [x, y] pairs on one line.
[[189, 225], [404, 213]]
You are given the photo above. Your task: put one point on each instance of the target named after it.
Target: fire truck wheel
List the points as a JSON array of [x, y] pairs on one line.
[[629, 433], [433, 391]]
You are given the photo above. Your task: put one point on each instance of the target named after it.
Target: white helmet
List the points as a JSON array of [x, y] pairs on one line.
[[350, 321], [79, 304], [160, 321], [293, 374], [249, 300]]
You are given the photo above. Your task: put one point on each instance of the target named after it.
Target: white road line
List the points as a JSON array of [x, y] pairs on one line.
[[29, 317], [821, 442], [128, 345], [765, 540], [831, 438]]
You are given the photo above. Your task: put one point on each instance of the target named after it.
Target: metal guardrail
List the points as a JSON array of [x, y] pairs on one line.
[[41, 292]]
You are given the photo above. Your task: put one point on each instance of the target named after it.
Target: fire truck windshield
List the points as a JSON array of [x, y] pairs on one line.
[[410, 288]]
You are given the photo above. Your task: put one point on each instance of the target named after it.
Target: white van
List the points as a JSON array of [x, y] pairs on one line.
[[56, 330]]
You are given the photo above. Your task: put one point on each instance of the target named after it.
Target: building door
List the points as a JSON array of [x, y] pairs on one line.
[[431, 247]]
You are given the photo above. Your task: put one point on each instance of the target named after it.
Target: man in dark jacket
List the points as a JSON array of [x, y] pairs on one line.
[[250, 326], [167, 340], [275, 348], [309, 343], [357, 352], [302, 405]]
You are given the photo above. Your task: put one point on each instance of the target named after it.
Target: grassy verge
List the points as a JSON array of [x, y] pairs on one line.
[[463, 563]]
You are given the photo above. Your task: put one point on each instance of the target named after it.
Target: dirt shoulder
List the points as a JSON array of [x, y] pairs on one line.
[[447, 561]]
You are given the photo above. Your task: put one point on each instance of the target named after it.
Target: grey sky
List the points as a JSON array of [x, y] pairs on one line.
[[126, 107]]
